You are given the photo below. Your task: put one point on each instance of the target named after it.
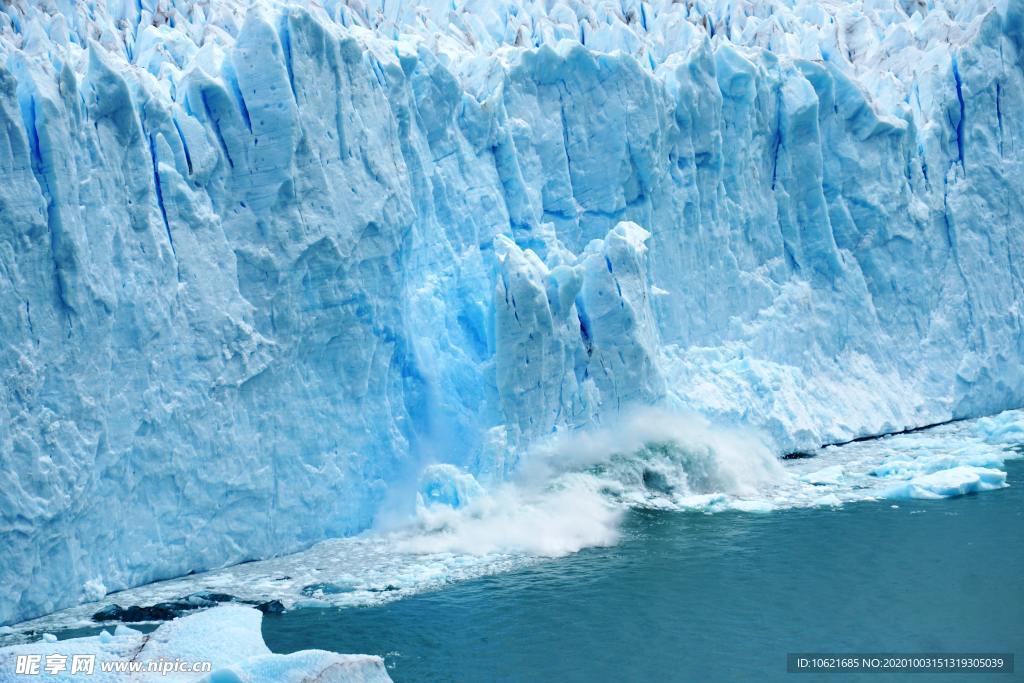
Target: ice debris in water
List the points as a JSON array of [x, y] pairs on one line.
[[950, 460], [94, 589], [955, 481], [828, 475], [1006, 427]]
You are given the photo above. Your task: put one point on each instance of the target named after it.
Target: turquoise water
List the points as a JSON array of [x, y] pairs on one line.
[[724, 597]]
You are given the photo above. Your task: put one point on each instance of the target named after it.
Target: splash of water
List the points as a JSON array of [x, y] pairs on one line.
[[571, 490]]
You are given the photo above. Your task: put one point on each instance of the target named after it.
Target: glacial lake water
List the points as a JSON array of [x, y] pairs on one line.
[[686, 596]]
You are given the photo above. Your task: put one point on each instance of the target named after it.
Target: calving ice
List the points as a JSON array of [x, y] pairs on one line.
[[279, 272]]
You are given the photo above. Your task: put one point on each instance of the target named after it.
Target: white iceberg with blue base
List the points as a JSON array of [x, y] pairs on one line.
[[224, 642]]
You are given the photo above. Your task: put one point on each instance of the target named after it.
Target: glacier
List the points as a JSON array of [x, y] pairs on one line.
[[265, 264]]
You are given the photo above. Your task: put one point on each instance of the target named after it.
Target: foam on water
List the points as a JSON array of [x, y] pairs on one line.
[[570, 494]]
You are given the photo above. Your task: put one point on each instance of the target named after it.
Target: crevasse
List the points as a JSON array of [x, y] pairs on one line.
[[259, 262]]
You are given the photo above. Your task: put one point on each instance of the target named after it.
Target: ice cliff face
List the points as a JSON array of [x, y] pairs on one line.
[[259, 263]]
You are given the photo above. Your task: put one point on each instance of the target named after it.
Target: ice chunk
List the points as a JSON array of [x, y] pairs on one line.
[[828, 475], [300, 667], [957, 481], [447, 485], [1007, 427], [94, 589], [122, 630], [226, 638]]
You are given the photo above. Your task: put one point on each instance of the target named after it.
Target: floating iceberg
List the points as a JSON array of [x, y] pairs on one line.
[[224, 644], [955, 481], [262, 262]]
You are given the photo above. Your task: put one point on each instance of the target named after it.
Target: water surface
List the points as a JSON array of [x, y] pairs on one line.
[[695, 597]]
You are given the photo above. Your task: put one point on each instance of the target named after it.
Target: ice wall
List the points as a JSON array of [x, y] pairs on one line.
[[257, 264]]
